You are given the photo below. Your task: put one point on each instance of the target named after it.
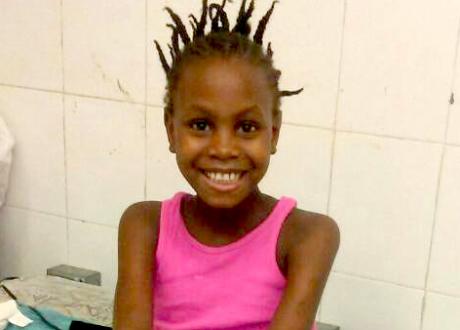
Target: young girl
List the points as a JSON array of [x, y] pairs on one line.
[[229, 257]]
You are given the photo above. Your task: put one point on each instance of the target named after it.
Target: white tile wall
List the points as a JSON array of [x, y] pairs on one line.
[[30, 242], [396, 76], [306, 60], [94, 247], [445, 259], [30, 35], [453, 133], [301, 167], [441, 312], [383, 196], [105, 158], [361, 304], [37, 178], [397, 67], [104, 48], [163, 175]]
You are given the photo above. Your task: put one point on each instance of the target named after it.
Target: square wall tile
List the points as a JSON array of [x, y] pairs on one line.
[[30, 242], [444, 275], [163, 176], [453, 132], [94, 247], [30, 35], [360, 304], [301, 167], [441, 312], [383, 198], [313, 64], [307, 51], [105, 158], [104, 48], [37, 177], [397, 67]]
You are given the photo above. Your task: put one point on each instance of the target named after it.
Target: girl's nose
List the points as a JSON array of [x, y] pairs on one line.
[[223, 145]]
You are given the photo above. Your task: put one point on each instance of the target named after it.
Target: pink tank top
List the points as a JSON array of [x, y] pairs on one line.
[[232, 287]]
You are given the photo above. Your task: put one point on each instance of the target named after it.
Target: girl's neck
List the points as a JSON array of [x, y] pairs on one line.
[[238, 220]]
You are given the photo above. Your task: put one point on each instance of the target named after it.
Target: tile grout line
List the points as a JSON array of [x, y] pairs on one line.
[[373, 279], [369, 134], [60, 216], [102, 98], [361, 277], [440, 177], [66, 189], [400, 138], [146, 18], [334, 132]]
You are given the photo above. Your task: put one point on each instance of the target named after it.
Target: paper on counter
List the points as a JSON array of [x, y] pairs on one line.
[[9, 311]]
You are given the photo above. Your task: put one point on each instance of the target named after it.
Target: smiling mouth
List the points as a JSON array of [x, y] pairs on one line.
[[224, 178]]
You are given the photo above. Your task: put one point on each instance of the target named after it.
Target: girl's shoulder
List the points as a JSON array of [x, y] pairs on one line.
[[301, 224], [143, 213], [139, 223], [302, 228]]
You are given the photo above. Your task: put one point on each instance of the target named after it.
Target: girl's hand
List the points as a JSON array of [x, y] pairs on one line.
[[309, 262]]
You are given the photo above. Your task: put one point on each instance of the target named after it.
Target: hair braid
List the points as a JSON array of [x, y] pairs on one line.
[[242, 23], [258, 36], [180, 26], [222, 40]]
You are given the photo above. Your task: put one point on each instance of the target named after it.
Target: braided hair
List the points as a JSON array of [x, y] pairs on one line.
[[222, 40]]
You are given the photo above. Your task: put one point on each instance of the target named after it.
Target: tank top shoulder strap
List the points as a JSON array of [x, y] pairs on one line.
[[283, 208], [169, 220]]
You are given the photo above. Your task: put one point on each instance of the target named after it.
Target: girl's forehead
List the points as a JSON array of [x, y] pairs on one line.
[[233, 81]]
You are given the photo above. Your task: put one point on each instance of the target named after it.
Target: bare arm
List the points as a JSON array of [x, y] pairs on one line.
[[309, 263], [137, 236]]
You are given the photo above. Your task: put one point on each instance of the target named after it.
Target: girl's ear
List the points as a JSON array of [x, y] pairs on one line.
[[169, 124], [277, 119]]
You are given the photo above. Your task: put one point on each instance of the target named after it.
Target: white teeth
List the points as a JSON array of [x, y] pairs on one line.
[[223, 177]]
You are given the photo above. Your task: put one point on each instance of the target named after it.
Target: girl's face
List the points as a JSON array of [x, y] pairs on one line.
[[222, 128]]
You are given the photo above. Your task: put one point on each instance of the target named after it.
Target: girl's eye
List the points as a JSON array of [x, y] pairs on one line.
[[248, 127], [200, 125]]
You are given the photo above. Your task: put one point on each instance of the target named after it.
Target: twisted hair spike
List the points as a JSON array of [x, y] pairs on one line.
[[224, 18], [242, 23], [290, 93], [221, 16], [163, 61], [258, 36], [174, 39], [224, 2], [213, 8], [194, 23], [242, 9], [202, 24], [180, 26]]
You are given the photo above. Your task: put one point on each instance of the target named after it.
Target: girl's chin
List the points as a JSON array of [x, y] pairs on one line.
[[221, 200]]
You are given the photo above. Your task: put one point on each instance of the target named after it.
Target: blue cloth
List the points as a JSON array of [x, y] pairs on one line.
[[57, 319]]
